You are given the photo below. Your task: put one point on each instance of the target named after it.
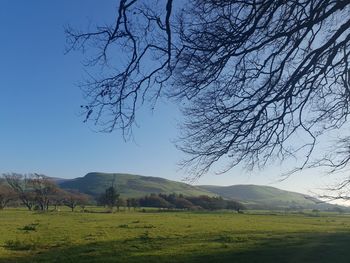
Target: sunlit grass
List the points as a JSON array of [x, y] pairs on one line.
[[129, 236]]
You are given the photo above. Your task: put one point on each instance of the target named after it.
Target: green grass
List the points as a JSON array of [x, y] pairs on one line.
[[172, 237]]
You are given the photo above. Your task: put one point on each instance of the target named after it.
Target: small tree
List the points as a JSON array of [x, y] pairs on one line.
[[58, 198], [120, 203], [75, 198], [44, 189], [134, 203], [110, 197], [128, 203], [234, 205]]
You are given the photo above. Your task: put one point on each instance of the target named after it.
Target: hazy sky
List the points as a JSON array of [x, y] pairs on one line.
[[41, 127]]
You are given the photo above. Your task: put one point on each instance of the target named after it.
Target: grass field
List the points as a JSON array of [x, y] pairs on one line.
[[172, 237]]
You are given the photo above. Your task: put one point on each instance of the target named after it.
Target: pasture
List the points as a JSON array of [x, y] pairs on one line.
[[130, 236]]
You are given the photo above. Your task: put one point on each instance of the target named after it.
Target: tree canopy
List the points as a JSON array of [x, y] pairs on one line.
[[250, 76]]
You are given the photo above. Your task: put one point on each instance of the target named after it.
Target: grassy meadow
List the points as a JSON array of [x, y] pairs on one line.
[[129, 236]]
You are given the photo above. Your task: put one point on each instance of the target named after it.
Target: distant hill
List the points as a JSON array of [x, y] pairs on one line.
[[130, 185], [253, 196], [258, 196]]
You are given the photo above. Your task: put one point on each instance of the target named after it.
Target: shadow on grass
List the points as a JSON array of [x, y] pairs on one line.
[[289, 248]]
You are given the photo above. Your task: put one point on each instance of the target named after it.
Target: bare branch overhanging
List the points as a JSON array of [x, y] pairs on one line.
[[252, 73]]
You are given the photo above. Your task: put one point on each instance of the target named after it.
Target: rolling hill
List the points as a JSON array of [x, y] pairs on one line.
[[130, 185], [253, 196], [259, 196]]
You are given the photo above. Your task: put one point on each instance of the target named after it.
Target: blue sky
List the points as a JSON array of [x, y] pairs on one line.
[[41, 127]]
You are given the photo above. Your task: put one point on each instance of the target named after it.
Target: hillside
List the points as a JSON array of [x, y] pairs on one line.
[[130, 185], [258, 196], [253, 196]]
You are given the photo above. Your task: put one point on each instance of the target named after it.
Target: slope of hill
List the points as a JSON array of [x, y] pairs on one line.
[[253, 196], [130, 185], [258, 196]]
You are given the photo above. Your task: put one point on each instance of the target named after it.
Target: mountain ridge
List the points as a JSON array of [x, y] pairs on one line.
[[253, 196], [130, 185]]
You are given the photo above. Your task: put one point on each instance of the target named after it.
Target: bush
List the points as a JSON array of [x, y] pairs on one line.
[[19, 245], [30, 227]]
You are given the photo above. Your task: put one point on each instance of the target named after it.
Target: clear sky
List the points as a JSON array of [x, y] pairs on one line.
[[41, 129]]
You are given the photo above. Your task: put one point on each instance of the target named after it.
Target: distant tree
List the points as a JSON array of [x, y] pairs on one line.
[[39, 191], [21, 184], [58, 198], [120, 203], [207, 202], [189, 202], [182, 203], [44, 190], [201, 201], [101, 200], [6, 195], [128, 203], [234, 205], [134, 203], [217, 203], [169, 197], [74, 198], [110, 197], [154, 200]]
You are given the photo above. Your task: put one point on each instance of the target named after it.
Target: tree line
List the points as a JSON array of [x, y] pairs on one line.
[[180, 201], [39, 192], [112, 199]]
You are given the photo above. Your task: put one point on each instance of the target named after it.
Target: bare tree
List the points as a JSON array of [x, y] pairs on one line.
[[6, 195], [32, 189], [21, 184], [251, 75], [44, 189], [58, 198], [74, 198]]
